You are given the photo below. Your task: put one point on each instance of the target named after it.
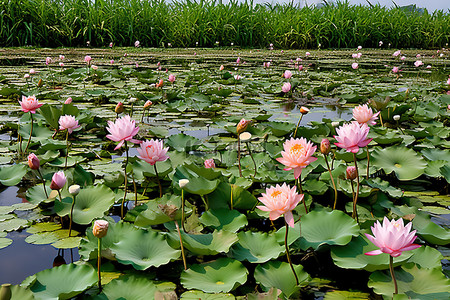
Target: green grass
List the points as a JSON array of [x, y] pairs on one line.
[[55, 23]]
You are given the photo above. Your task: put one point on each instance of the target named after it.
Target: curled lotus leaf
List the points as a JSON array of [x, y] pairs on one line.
[[404, 162]]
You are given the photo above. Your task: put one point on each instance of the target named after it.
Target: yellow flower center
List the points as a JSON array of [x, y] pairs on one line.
[[297, 150], [275, 194]]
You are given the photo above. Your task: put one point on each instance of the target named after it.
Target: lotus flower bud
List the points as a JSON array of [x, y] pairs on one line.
[[183, 183], [160, 83], [221, 68], [335, 124], [245, 136], [325, 146], [74, 189], [351, 172], [304, 110], [209, 163], [33, 161], [100, 228], [68, 100], [148, 104], [26, 76], [396, 117], [58, 180], [119, 108], [32, 71], [242, 126]]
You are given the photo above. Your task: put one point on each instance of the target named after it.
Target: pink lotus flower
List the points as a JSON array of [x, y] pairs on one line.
[[359, 55], [221, 68], [110, 45], [355, 66], [61, 57], [61, 64], [32, 71], [364, 114], [148, 104], [286, 87], [448, 81], [153, 151], [26, 76], [209, 163], [58, 181], [137, 44], [123, 129], [297, 155], [87, 59], [100, 228], [48, 60], [418, 63], [280, 200], [354, 55], [30, 104], [68, 100], [352, 136], [397, 53], [395, 70], [33, 161], [172, 78], [392, 237], [237, 77], [300, 68], [359, 47], [160, 84], [307, 54], [68, 122], [111, 61], [238, 60], [287, 74], [350, 172], [403, 57]]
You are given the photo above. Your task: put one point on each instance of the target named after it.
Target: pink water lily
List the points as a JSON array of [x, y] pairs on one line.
[[33, 161], [297, 155], [392, 237], [123, 129], [30, 104], [153, 151], [286, 87], [280, 200], [58, 180], [68, 122], [209, 163], [364, 114], [352, 136]]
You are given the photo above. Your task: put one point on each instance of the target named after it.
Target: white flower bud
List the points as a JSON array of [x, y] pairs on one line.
[[245, 136], [335, 124], [183, 182], [74, 189], [396, 117]]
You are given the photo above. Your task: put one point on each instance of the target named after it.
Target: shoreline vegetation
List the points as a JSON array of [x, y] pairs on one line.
[[156, 23]]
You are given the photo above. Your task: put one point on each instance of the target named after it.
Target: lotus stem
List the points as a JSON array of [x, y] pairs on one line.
[[31, 132], [205, 202], [60, 198], [67, 146], [43, 180], [231, 196], [135, 189], [126, 182], [182, 213], [99, 257], [299, 183], [381, 120], [181, 243], [251, 156], [355, 214], [287, 252], [368, 162], [19, 138], [159, 182], [298, 124], [71, 215], [239, 155], [332, 181], [391, 268]]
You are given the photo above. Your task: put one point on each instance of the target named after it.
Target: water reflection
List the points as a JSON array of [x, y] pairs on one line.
[[21, 259]]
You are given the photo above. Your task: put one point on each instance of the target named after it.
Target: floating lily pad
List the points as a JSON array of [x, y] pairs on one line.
[[242, 199], [150, 213], [205, 244], [224, 219], [345, 295], [323, 227], [92, 202], [406, 163], [12, 175], [63, 282], [5, 242], [13, 224], [256, 247], [279, 275], [433, 233], [130, 287], [183, 142], [68, 243], [417, 283], [221, 275], [199, 295], [144, 249]]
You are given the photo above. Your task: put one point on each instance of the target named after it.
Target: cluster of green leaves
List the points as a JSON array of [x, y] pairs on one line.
[[231, 247], [156, 23]]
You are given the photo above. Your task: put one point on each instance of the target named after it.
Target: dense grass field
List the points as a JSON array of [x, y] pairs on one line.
[[157, 23]]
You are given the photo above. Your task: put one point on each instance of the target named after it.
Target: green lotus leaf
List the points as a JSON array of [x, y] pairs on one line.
[[346, 186], [199, 295], [315, 187], [415, 282], [68, 243], [130, 287], [205, 244], [49, 144], [12, 175], [20, 293], [279, 275], [427, 257], [197, 185], [384, 186], [183, 142], [144, 249], [433, 168], [432, 233], [208, 173], [445, 172], [271, 294], [6, 209], [293, 233], [63, 282], [323, 227], [221, 197], [406, 163], [70, 109], [221, 275], [43, 227], [142, 168], [71, 161], [51, 115], [151, 214], [36, 194], [351, 256], [13, 224], [256, 247], [42, 238], [5, 242], [345, 295], [92, 202], [40, 133], [24, 206], [224, 219], [436, 154], [116, 232], [280, 128]]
